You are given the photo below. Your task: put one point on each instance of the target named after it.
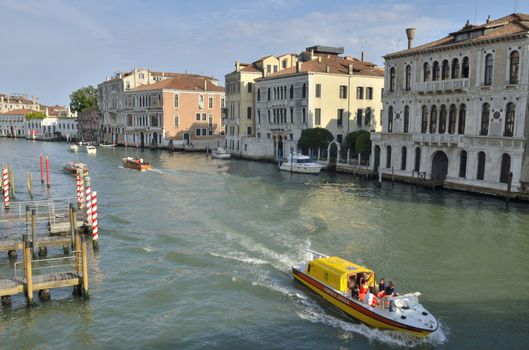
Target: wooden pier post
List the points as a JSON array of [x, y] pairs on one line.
[[379, 176], [48, 172], [85, 267], [11, 180], [28, 271], [34, 232], [41, 170], [30, 184]]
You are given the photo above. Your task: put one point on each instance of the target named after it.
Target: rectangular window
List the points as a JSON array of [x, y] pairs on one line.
[[275, 68], [210, 102], [204, 117], [176, 101], [268, 135], [250, 87], [291, 115], [339, 117], [249, 113], [317, 116], [359, 113], [210, 132], [359, 93], [210, 121], [258, 135], [339, 138], [369, 93], [222, 102], [343, 91], [268, 68], [318, 90], [204, 132], [176, 121], [284, 63], [198, 116], [249, 131], [197, 132], [291, 137]]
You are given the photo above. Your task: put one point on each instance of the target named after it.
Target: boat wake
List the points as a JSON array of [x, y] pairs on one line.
[[240, 257]]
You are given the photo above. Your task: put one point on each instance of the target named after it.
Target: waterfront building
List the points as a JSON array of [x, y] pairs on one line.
[[240, 98], [89, 125], [12, 102], [455, 109], [184, 109], [322, 89], [12, 123], [111, 99], [15, 124]]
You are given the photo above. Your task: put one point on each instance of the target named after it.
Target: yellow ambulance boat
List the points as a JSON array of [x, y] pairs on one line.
[[328, 276]]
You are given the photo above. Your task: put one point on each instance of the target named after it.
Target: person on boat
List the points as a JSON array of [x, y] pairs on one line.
[[355, 292], [381, 288], [391, 290], [364, 288], [370, 298]]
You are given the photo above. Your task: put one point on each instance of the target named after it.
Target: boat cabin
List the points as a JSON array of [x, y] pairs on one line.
[[336, 272]]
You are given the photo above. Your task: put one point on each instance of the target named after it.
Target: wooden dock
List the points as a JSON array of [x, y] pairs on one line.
[[47, 241]]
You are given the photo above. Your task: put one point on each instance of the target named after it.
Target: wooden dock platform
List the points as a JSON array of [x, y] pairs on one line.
[[47, 241]]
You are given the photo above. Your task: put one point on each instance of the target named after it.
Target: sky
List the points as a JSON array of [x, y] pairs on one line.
[[49, 48]]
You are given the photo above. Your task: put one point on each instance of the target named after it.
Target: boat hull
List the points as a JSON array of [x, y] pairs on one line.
[[353, 309], [220, 155], [300, 169], [140, 167]]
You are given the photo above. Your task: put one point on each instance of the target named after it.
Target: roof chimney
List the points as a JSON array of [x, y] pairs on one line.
[[362, 56], [311, 54], [488, 19], [410, 33], [237, 66], [350, 68], [298, 66], [205, 84]]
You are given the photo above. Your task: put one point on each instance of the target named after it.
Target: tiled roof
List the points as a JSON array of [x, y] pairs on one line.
[[515, 23], [181, 83], [252, 67], [335, 64], [16, 99], [18, 112]]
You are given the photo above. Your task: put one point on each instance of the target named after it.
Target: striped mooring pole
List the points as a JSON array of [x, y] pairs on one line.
[[80, 191], [95, 229], [5, 178], [88, 201]]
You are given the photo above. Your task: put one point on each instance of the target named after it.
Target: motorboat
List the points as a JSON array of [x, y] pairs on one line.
[[328, 276], [107, 145], [73, 148], [135, 163], [73, 168], [220, 153], [91, 149], [298, 163]]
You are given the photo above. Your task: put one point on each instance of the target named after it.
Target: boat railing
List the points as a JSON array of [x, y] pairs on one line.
[[315, 255]]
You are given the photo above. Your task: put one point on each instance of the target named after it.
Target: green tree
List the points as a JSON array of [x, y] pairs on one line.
[[350, 140], [315, 138], [363, 145], [35, 115], [83, 99]]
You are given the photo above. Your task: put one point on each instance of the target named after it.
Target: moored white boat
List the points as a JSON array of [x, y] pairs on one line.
[[298, 163], [91, 149], [107, 145], [73, 148], [328, 276], [220, 153]]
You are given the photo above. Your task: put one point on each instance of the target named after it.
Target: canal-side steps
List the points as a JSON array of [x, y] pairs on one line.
[[45, 274]]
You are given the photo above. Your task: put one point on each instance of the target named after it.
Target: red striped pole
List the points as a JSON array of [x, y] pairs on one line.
[[5, 178], [88, 201], [95, 230], [41, 170], [48, 171], [80, 190]]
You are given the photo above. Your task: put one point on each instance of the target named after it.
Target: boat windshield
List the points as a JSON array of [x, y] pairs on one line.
[[303, 160]]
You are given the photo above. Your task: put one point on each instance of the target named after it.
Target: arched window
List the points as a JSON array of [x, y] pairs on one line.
[[269, 118], [445, 72], [392, 79], [426, 71], [269, 94], [442, 120], [481, 165], [291, 92], [514, 67], [509, 119], [406, 119], [452, 117], [304, 91], [455, 68], [463, 164], [403, 158], [435, 71], [465, 68], [424, 119], [417, 159], [367, 118], [408, 78], [462, 119], [258, 94], [489, 65], [505, 168], [433, 120], [485, 116], [388, 157], [390, 119]]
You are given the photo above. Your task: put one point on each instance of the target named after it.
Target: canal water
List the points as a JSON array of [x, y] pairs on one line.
[[197, 253]]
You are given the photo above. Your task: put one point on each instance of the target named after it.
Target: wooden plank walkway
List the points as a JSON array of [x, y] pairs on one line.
[[48, 241], [12, 286]]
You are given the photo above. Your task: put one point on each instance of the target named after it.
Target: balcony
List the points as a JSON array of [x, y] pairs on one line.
[[438, 139], [443, 85]]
